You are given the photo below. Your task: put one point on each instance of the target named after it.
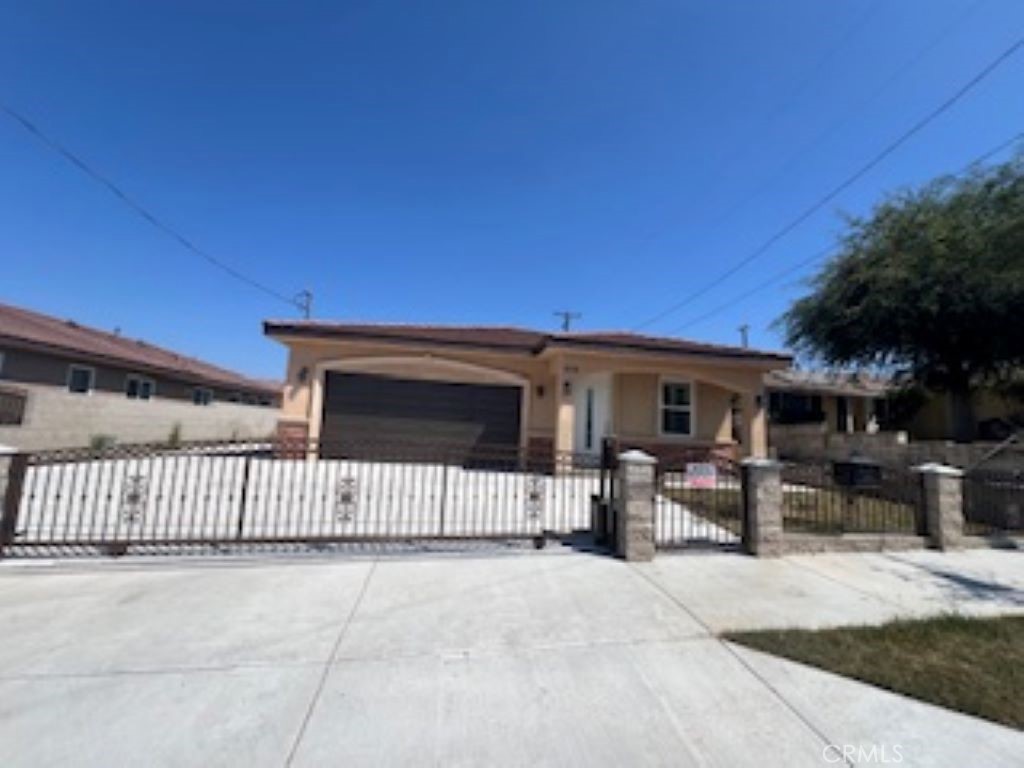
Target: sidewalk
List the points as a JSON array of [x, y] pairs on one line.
[[546, 658]]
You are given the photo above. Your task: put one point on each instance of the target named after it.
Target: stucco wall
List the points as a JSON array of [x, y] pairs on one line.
[[538, 378], [24, 367], [56, 418], [549, 409], [638, 402]]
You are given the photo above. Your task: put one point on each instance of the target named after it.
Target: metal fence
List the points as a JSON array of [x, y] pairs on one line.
[[994, 502], [224, 493], [813, 501], [698, 504]]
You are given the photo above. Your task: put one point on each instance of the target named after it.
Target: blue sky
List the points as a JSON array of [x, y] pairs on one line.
[[467, 162]]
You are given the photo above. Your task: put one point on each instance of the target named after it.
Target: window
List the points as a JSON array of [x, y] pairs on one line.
[[1, 362], [81, 379], [202, 396], [795, 408], [139, 387], [12, 407], [676, 408]]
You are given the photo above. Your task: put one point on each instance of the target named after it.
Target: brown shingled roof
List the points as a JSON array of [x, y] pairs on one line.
[[504, 338], [24, 328]]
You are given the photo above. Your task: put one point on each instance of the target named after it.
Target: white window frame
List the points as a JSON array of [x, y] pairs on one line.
[[202, 401], [141, 380], [691, 408], [92, 378]]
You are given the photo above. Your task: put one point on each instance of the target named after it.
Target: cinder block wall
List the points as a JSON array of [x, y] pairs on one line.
[[56, 418]]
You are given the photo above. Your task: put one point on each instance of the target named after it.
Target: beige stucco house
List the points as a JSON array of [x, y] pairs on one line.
[[533, 390]]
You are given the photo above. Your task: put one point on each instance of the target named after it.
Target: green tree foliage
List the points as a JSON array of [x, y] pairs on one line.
[[930, 285]]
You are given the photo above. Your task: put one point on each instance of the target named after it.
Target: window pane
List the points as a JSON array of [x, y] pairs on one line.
[[132, 387], [145, 389], [80, 380], [675, 422], [676, 394]]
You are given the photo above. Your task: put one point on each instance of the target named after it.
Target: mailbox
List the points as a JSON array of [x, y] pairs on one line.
[[857, 472]]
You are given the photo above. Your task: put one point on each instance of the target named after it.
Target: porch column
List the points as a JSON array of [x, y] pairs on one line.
[[565, 421], [755, 428]]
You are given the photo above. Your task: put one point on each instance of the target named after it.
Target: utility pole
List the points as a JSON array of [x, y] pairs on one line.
[[304, 301], [743, 334], [567, 318]]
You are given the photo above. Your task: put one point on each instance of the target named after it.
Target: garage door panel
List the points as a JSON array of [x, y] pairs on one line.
[[361, 410]]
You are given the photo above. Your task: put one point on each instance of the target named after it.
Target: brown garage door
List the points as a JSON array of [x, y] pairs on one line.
[[364, 414]]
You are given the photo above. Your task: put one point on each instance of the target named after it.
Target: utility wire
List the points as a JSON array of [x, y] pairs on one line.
[[858, 110], [842, 187], [167, 229], [823, 254]]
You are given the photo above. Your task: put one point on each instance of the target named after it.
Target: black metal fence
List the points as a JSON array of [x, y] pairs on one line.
[[819, 500], [698, 503], [227, 493], [994, 502]]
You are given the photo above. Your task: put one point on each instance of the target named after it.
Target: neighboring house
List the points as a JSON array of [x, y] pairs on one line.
[[65, 385], [812, 414], [512, 387], [837, 402]]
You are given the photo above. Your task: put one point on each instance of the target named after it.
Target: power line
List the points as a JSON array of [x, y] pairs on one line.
[[824, 253], [71, 157], [795, 158], [843, 186]]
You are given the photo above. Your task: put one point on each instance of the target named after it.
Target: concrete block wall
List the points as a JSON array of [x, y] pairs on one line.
[[56, 418]]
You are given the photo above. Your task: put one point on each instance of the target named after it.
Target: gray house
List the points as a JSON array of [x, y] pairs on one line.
[[63, 384]]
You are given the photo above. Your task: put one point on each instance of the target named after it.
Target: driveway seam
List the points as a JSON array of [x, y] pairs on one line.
[[821, 735], [329, 664]]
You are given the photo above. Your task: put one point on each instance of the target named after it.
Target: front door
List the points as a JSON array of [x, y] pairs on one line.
[[592, 401]]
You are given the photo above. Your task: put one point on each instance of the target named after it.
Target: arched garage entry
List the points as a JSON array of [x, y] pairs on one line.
[[416, 405]]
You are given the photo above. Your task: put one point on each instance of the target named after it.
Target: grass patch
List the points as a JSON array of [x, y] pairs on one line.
[[970, 665], [805, 509], [831, 511]]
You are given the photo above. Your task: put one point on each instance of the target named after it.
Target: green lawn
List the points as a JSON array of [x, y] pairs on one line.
[[830, 511], [805, 510], [970, 665]]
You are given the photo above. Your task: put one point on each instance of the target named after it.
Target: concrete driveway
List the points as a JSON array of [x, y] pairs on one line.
[[483, 658]]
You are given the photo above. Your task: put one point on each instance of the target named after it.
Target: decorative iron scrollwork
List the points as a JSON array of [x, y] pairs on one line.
[[535, 496], [133, 498], [345, 499]]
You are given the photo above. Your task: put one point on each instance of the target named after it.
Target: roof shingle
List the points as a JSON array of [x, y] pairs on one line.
[[23, 327]]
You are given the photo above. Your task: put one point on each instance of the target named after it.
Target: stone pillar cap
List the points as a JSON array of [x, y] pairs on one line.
[[934, 468], [637, 457], [756, 461]]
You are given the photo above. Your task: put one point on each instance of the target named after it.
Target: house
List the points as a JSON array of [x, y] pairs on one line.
[[63, 384], [839, 402], [809, 411], [534, 391]]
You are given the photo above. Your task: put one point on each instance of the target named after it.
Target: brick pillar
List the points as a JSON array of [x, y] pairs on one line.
[[943, 497], [634, 506], [292, 440], [762, 507]]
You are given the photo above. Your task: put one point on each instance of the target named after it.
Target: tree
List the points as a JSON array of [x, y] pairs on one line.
[[930, 285]]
